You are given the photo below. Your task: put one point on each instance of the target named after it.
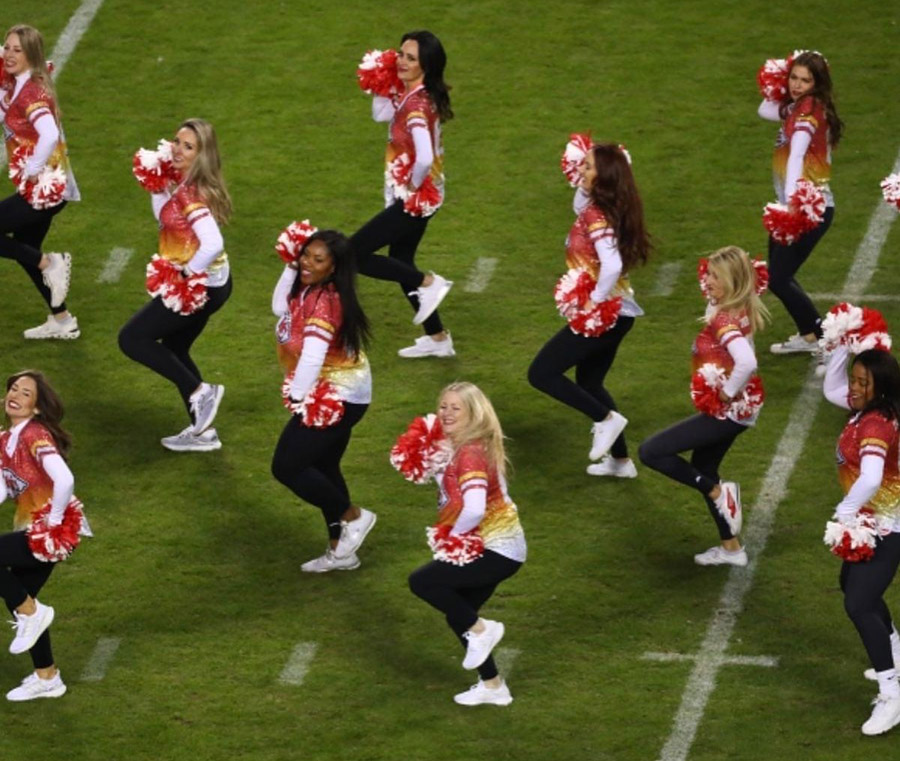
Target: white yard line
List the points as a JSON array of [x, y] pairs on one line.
[[480, 275], [711, 655], [100, 659], [295, 669], [731, 660], [115, 265], [666, 278]]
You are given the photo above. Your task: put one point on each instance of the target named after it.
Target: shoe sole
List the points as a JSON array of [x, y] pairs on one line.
[[503, 702], [70, 336], [609, 474], [773, 350], [361, 540], [419, 319], [50, 616], [424, 355], [57, 693], [329, 570], [220, 393], [203, 448]]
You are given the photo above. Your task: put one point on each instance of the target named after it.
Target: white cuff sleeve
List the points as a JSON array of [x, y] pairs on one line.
[[610, 268], [382, 109], [63, 486], [871, 469], [424, 156], [474, 505], [158, 200], [744, 364], [211, 243], [282, 293], [836, 386], [48, 137], [770, 110], [799, 145], [308, 366], [581, 200]]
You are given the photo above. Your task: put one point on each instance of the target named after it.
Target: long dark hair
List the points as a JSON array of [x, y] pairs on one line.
[[823, 91], [48, 408], [433, 59], [615, 193], [885, 373], [354, 332]]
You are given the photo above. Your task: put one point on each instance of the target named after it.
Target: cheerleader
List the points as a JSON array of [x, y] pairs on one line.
[[810, 128], [191, 248], [322, 331], [867, 455], [36, 151], [413, 189], [607, 240], [727, 407], [477, 542], [32, 454]]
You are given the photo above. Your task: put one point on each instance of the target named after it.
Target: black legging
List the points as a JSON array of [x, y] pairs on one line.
[[864, 585], [22, 575], [592, 358], [22, 231], [160, 339], [710, 439], [784, 261], [460, 591], [402, 232], [308, 462]]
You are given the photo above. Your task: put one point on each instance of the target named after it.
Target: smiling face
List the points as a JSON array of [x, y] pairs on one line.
[[452, 413], [21, 399], [862, 386], [800, 82], [184, 149], [409, 69], [316, 263], [14, 60]]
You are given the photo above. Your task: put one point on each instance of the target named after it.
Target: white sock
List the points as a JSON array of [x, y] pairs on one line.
[[888, 684]]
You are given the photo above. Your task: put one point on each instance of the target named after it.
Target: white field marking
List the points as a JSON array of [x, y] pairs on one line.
[[295, 669], [68, 41], [666, 279], [100, 659], [505, 657], [115, 265], [702, 680], [868, 298], [730, 660], [480, 274]]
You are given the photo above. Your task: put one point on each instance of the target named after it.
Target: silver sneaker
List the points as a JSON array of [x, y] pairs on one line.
[[188, 441], [56, 277], [353, 533], [795, 344], [34, 687], [430, 297], [426, 346], [65, 330], [330, 562], [205, 404]]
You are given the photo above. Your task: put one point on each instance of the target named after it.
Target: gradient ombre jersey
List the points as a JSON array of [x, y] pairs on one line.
[[26, 480], [806, 115], [177, 241], [416, 110], [871, 433], [589, 227]]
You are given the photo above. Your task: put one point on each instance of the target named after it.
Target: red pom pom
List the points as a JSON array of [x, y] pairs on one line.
[[573, 156], [292, 239], [377, 74], [702, 275], [421, 451], [706, 383], [153, 169], [183, 295], [890, 189], [772, 78], [858, 328], [762, 276], [804, 212], [322, 407], [458, 549], [424, 201], [52, 544], [705, 395], [572, 290], [854, 540], [44, 192]]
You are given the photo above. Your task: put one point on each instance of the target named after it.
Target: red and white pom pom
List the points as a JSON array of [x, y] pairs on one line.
[[292, 239], [42, 193], [573, 156], [804, 212], [890, 189], [572, 290], [183, 295], [424, 201], [397, 174], [377, 74], [458, 549], [52, 544], [853, 541], [857, 328], [772, 78], [422, 450], [153, 169], [322, 407], [707, 382]]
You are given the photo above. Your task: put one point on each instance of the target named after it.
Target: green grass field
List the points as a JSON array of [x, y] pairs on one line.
[[195, 564]]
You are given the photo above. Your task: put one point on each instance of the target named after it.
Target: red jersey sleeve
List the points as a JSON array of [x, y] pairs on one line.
[[726, 328], [326, 316], [472, 468], [876, 434], [595, 223], [38, 441], [807, 116], [190, 204], [418, 109]]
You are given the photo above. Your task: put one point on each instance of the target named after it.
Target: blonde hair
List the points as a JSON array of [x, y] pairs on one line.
[[206, 171], [482, 424], [737, 275], [33, 47]]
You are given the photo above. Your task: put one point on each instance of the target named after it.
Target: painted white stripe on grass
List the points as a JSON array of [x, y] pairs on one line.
[[100, 659], [702, 680], [297, 666], [115, 265], [505, 657], [730, 660], [480, 275], [869, 298], [666, 278]]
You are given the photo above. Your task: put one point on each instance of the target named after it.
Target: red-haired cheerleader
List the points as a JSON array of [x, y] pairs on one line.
[[47, 523], [727, 394], [322, 331], [867, 460], [39, 167], [413, 187], [810, 128], [607, 240]]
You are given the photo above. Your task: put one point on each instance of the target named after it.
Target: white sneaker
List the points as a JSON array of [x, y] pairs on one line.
[[33, 687], [822, 358], [205, 404], [885, 715], [329, 562], [29, 628], [63, 329], [795, 344], [610, 466], [56, 277], [430, 297], [353, 533], [718, 555], [728, 503], [479, 694], [480, 645], [426, 346], [188, 441], [605, 434]]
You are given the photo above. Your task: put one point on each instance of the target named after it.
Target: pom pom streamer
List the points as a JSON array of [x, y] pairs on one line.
[[804, 212], [52, 544], [573, 156], [706, 383], [853, 541], [458, 549], [377, 74], [183, 295], [292, 239], [772, 78], [890, 189], [153, 169], [572, 290], [46, 190], [857, 328], [422, 450], [421, 202], [322, 407]]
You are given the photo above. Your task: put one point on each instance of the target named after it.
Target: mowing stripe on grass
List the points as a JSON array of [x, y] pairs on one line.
[[730, 660], [505, 657], [869, 298], [115, 265], [709, 657], [104, 651], [666, 278], [295, 669], [480, 275]]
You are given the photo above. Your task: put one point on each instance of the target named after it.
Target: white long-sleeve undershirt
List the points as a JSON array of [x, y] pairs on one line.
[[744, 357], [871, 470], [383, 109], [282, 293], [800, 142], [770, 110], [474, 507], [206, 229], [610, 268], [836, 387], [309, 365], [424, 156]]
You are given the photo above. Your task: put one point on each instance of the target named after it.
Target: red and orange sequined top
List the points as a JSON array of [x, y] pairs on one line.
[[589, 227], [26, 480], [806, 115], [871, 433], [177, 240], [416, 110]]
